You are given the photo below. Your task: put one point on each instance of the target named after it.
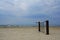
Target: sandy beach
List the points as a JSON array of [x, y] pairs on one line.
[[30, 33]]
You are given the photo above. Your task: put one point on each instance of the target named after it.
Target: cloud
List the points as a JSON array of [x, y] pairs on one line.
[[41, 6], [45, 7], [23, 6], [29, 9], [20, 7]]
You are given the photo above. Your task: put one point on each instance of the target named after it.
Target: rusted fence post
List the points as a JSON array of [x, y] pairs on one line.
[[47, 27], [39, 26]]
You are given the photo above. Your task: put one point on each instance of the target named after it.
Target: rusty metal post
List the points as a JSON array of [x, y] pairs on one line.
[[39, 26], [47, 27]]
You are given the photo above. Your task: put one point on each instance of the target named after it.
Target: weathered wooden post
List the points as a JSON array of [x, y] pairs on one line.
[[47, 27], [39, 26]]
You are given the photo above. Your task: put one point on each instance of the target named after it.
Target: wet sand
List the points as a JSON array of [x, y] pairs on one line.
[[30, 33]]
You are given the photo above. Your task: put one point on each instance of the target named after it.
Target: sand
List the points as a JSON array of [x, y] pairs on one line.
[[28, 34]]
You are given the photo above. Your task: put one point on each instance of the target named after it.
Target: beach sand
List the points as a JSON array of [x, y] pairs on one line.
[[30, 33]]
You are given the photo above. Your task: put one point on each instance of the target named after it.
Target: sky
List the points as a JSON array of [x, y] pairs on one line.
[[18, 12]]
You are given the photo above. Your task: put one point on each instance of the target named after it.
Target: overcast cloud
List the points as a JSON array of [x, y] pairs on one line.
[[26, 11]]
